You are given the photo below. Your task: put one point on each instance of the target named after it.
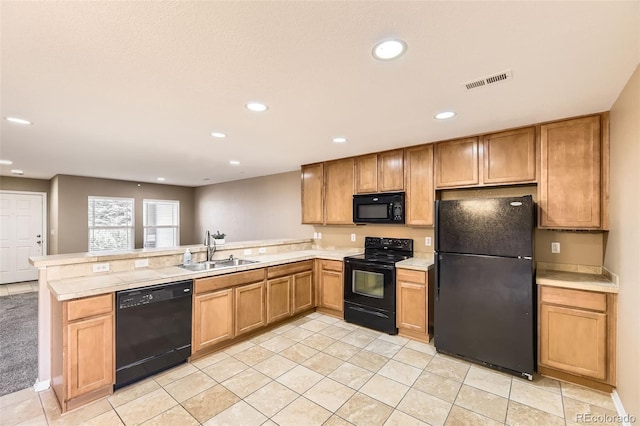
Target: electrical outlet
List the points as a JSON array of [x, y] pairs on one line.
[[315, 235], [247, 251], [427, 241], [319, 235], [100, 267], [262, 250], [142, 263], [353, 237], [555, 247]]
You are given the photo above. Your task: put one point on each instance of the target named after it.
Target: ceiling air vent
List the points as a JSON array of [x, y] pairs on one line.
[[486, 81]]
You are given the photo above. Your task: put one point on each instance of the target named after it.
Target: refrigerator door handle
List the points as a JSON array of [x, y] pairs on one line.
[[437, 274], [435, 223]]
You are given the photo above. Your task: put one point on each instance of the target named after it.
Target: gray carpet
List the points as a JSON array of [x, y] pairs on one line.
[[18, 342]]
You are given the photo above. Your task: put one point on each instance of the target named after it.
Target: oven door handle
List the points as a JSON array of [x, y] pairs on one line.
[[358, 263], [367, 311]]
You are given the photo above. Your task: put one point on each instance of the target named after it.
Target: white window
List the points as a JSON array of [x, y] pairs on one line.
[[161, 223], [110, 224]]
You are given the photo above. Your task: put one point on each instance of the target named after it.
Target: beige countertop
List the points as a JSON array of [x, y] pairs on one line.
[[575, 280], [416, 263], [75, 258], [108, 282]]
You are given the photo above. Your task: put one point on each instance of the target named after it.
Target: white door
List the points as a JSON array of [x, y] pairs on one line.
[[21, 235]]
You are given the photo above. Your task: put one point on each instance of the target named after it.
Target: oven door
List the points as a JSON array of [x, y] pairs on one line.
[[370, 284]]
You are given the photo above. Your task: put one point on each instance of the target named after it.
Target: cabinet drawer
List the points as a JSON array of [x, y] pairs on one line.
[[289, 269], [411, 276], [204, 285], [576, 298], [331, 265], [90, 306]]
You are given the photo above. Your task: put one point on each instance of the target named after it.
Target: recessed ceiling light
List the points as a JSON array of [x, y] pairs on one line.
[[16, 120], [218, 135], [6, 162], [444, 115], [160, 179], [389, 49], [234, 163], [17, 172], [257, 106], [339, 139]]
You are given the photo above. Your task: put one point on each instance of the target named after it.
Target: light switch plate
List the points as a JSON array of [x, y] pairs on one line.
[[353, 237], [101, 267], [262, 250], [142, 263], [427, 241], [247, 251], [315, 235], [555, 247]]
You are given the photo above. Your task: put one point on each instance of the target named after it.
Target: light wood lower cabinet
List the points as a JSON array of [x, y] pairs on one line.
[[331, 287], [412, 304], [250, 307], [83, 361], [577, 336], [212, 319], [290, 290]]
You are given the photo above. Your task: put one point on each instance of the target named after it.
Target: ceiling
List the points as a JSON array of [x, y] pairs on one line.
[[132, 90]]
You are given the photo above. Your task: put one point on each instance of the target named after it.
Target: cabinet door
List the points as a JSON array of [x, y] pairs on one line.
[[332, 290], [456, 163], [212, 319], [411, 300], [391, 171], [510, 157], [419, 185], [573, 340], [250, 307], [366, 174], [339, 192], [570, 174], [90, 363], [312, 195], [302, 291], [278, 299]]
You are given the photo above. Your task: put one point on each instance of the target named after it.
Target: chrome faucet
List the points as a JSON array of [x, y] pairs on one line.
[[230, 257], [207, 244]]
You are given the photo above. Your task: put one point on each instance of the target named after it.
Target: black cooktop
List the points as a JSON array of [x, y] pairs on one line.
[[385, 250]]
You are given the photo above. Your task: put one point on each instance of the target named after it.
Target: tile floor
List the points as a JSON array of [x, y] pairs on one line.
[[17, 288], [322, 371]]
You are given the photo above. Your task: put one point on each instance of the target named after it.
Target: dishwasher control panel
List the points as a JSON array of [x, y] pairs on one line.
[[147, 295]]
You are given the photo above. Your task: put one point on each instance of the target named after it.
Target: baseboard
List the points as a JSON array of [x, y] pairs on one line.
[[40, 386], [625, 419]]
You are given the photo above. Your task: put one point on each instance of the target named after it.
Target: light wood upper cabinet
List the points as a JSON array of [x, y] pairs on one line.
[[456, 163], [420, 192], [577, 336], [339, 188], [570, 181], [366, 173], [212, 319], [391, 170], [312, 193], [509, 157], [250, 307]]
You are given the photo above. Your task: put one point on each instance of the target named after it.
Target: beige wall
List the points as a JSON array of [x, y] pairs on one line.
[[622, 256], [10, 183], [577, 248], [258, 208], [69, 227]]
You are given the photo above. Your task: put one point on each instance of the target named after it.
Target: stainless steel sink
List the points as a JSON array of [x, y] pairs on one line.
[[215, 264]]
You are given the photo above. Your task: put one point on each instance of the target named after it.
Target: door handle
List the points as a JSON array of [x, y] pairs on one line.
[[39, 242]]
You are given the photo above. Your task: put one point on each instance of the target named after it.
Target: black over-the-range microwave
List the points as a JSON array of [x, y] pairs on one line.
[[387, 207]]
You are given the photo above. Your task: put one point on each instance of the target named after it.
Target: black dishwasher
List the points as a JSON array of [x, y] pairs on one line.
[[153, 330]]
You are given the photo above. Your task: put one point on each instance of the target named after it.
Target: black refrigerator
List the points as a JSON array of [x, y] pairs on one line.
[[485, 291]]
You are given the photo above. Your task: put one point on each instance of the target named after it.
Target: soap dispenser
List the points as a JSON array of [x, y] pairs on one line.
[[186, 258]]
